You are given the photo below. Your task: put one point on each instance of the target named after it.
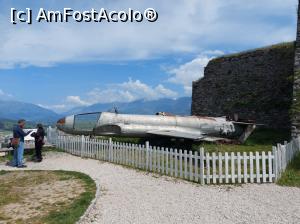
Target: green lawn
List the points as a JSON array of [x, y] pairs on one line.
[[291, 177], [260, 140]]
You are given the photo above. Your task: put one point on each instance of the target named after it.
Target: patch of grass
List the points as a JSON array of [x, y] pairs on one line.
[[124, 139], [260, 140], [10, 181], [28, 153], [7, 196], [13, 184], [268, 137], [2, 172], [70, 214], [291, 177], [52, 149], [213, 147], [8, 157]]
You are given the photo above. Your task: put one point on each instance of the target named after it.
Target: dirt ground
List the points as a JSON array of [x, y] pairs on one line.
[[27, 197]]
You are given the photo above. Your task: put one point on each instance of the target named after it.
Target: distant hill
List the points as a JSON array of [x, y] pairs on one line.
[[180, 106], [14, 110], [7, 124]]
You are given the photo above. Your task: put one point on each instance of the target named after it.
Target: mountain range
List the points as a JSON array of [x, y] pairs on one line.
[[180, 106], [15, 110]]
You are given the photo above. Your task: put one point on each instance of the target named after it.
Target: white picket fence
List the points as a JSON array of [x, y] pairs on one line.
[[202, 167], [283, 155]]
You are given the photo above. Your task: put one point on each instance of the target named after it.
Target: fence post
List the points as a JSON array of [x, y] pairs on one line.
[[279, 159], [191, 165], [147, 155], [82, 145], [275, 162], [270, 164], [202, 166], [257, 165], [109, 149], [287, 152], [285, 155]]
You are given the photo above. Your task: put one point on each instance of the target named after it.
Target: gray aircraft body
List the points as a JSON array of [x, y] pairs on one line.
[[194, 128]]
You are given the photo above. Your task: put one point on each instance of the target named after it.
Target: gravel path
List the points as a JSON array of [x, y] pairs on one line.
[[130, 196]]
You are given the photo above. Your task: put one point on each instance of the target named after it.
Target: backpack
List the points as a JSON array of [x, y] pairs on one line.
[[15, 142]]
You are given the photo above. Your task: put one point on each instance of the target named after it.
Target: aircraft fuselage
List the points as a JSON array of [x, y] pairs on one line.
[[186, 127]]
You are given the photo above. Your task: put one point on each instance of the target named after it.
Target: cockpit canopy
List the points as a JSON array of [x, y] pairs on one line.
[[86, 122]]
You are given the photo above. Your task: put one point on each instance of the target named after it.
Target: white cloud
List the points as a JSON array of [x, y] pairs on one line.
[[164, 92], [186, 73], [130, 91], [119, 92], [213, 53], [4, 95], [75, 100], [57, 107], [183, 26]]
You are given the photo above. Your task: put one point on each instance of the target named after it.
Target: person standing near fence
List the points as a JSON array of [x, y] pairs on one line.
[[18, 142], [39, 136]]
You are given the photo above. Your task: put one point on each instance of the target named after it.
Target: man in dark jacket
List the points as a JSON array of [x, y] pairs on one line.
[[39, 142], [18, 133]]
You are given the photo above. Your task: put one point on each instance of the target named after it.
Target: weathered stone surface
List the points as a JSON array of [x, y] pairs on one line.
[[257, 85], [295, 111]]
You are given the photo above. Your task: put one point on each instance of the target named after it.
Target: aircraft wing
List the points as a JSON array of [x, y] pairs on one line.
[[176, 134]]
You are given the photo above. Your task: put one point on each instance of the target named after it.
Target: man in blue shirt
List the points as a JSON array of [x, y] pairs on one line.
[[19, 151]]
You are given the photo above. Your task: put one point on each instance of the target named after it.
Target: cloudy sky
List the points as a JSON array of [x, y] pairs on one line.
[[64, 65]]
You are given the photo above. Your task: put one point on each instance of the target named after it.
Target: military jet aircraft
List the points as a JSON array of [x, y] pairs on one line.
[[196, 128]]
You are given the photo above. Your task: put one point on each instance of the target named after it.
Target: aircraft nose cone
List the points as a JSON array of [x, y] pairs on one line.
[[61, 123]]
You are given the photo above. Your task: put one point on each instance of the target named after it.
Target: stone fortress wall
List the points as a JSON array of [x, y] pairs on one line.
[[256, 85], [295, 108]]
